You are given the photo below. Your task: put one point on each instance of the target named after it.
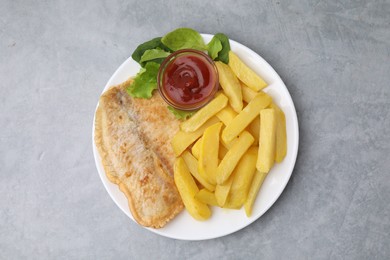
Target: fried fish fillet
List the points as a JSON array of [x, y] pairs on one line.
[[133, 139]]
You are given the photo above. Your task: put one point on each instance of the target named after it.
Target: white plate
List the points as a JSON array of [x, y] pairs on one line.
[[223, 221]]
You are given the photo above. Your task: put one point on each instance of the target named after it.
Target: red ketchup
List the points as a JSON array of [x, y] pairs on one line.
[[189, 79]]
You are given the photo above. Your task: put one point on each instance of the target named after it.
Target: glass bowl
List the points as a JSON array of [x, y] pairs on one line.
[[177, 75]]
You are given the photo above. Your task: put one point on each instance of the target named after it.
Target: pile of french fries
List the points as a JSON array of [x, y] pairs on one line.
[[225, 150]]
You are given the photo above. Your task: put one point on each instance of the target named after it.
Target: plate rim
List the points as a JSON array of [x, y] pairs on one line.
[[97, 158]]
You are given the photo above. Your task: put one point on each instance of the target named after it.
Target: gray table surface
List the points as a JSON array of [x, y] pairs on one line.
[[56, 57]]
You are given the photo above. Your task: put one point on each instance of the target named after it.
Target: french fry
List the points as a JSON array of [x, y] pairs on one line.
[[266, 156], [257, 181], [208, 155], [245, 74], [222, 191], [254, 129], [229, 205], [232, 157], [242, 178], [245, 117], [230, 85], [281, 135], [182, 140], [230, 144], [206, 197], [188, 189], [222, 152], [226, 115], [192, 165], [196, 148], [247, 93], [204, 114]]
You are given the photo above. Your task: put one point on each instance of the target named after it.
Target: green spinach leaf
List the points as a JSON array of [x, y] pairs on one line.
[[214, 47], [149, 45], [184, 38], [223, 55], [154, 54]]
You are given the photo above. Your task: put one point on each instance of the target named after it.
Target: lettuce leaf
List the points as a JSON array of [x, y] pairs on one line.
[[181, 114], [145, 81], [184, 38]]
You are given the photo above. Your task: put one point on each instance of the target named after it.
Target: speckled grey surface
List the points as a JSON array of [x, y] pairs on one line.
[[56, 57]]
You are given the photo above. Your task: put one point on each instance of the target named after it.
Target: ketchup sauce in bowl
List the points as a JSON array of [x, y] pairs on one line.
[[187, 79]]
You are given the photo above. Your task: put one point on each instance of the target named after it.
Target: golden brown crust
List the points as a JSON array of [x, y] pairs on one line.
[[157, 117], [133, 139]]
